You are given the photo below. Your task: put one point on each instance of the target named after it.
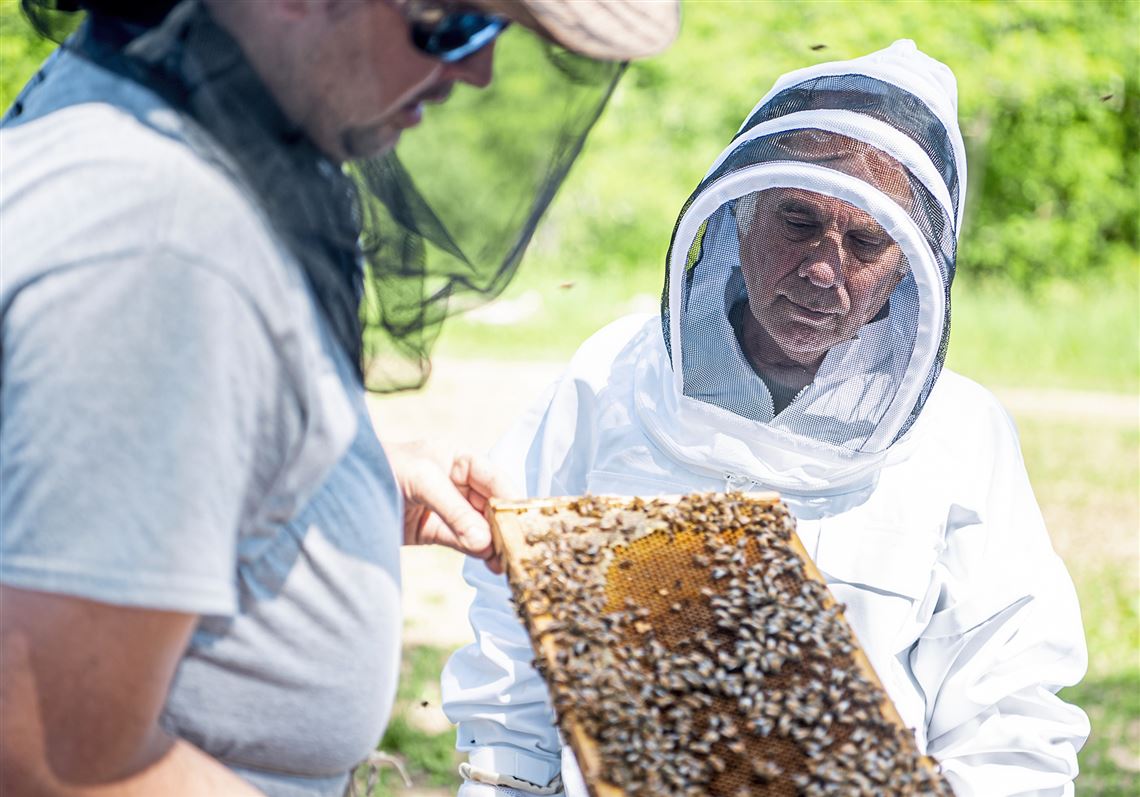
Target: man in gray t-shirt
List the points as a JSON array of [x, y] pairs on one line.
[[200, 530]]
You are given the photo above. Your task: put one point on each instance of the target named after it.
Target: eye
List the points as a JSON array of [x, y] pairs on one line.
[[868, 240], [799, 227], [868, 244]]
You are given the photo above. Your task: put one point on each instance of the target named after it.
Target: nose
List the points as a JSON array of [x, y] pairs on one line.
[[823, 266], [476, 69]]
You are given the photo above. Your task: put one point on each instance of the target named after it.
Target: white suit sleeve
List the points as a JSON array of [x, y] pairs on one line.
[[491, 690], [1005, 636]]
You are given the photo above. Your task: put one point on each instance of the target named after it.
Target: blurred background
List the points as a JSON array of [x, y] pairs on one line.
[[1046, 304]]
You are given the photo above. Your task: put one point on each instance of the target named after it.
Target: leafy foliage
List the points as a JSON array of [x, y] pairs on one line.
[[21, 51], [1049, 105]]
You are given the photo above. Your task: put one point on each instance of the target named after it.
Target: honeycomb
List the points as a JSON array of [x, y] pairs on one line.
[[691, 648]]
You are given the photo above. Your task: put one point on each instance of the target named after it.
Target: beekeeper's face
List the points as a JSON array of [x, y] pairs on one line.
[[816, 269]]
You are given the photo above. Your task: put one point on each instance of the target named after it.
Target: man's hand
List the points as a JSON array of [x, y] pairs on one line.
[[444, 498]]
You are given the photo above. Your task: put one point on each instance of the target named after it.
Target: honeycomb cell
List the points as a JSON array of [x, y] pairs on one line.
[[692, 648]]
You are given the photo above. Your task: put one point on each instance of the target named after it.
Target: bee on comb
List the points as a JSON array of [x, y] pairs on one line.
[[692, 648]]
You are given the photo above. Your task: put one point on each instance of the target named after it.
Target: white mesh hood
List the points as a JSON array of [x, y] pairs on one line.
[[809, 274]]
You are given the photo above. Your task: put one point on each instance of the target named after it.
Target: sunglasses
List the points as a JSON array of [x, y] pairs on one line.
[[451, 36]]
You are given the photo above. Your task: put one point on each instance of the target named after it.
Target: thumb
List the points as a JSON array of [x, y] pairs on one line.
[[459, 527], [451, 520]]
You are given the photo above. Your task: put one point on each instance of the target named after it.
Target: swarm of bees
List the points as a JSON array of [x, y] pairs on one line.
[[691, 648]]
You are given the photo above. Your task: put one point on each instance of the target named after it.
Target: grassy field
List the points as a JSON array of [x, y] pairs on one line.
[[1086, 476], [1064, 335]]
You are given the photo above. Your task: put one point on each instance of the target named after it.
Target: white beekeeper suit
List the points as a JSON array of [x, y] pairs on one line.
[[831, 221]]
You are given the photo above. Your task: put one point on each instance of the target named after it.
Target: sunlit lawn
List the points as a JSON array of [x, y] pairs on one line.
[[1086, 478], [1077, 337]]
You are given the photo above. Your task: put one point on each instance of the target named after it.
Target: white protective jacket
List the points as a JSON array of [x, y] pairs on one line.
[[951, 584], [906, 479]]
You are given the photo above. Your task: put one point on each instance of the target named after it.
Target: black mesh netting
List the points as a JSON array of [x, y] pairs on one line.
[[874, 98], [390, 246], [448, 216]]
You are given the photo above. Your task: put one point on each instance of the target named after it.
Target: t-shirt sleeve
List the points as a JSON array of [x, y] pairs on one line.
[[141, 409]]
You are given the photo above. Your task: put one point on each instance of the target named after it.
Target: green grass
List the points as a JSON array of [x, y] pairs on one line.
[[1063, 335], [429, 755], [1110, 758], [1085, 475], [571, 308]]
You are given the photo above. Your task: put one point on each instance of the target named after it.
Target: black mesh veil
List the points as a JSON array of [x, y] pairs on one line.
[[391, 245], [448, 215]]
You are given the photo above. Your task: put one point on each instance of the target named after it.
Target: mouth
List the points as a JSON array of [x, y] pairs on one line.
[[412, 114], [806, 315]]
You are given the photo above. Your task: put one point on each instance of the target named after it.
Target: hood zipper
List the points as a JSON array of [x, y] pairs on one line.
[[733, 482]]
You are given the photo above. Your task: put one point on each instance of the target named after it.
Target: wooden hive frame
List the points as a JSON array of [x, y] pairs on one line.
[[523, 533]]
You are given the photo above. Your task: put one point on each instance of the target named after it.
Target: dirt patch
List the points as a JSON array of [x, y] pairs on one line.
[[466, 404], [1076, 406]]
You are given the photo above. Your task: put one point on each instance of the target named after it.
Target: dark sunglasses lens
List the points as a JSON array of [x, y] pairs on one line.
[[456, 36]]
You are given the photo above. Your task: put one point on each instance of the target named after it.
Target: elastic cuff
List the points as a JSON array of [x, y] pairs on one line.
[[517, 764], [470, 773]]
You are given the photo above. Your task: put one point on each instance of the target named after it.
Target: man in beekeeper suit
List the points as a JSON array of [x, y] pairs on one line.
[[800, 347]]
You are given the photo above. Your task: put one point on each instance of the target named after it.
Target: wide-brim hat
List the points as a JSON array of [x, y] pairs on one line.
[[611, 30]]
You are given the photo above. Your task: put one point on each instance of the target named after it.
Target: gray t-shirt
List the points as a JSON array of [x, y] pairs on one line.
[[178, 431]]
